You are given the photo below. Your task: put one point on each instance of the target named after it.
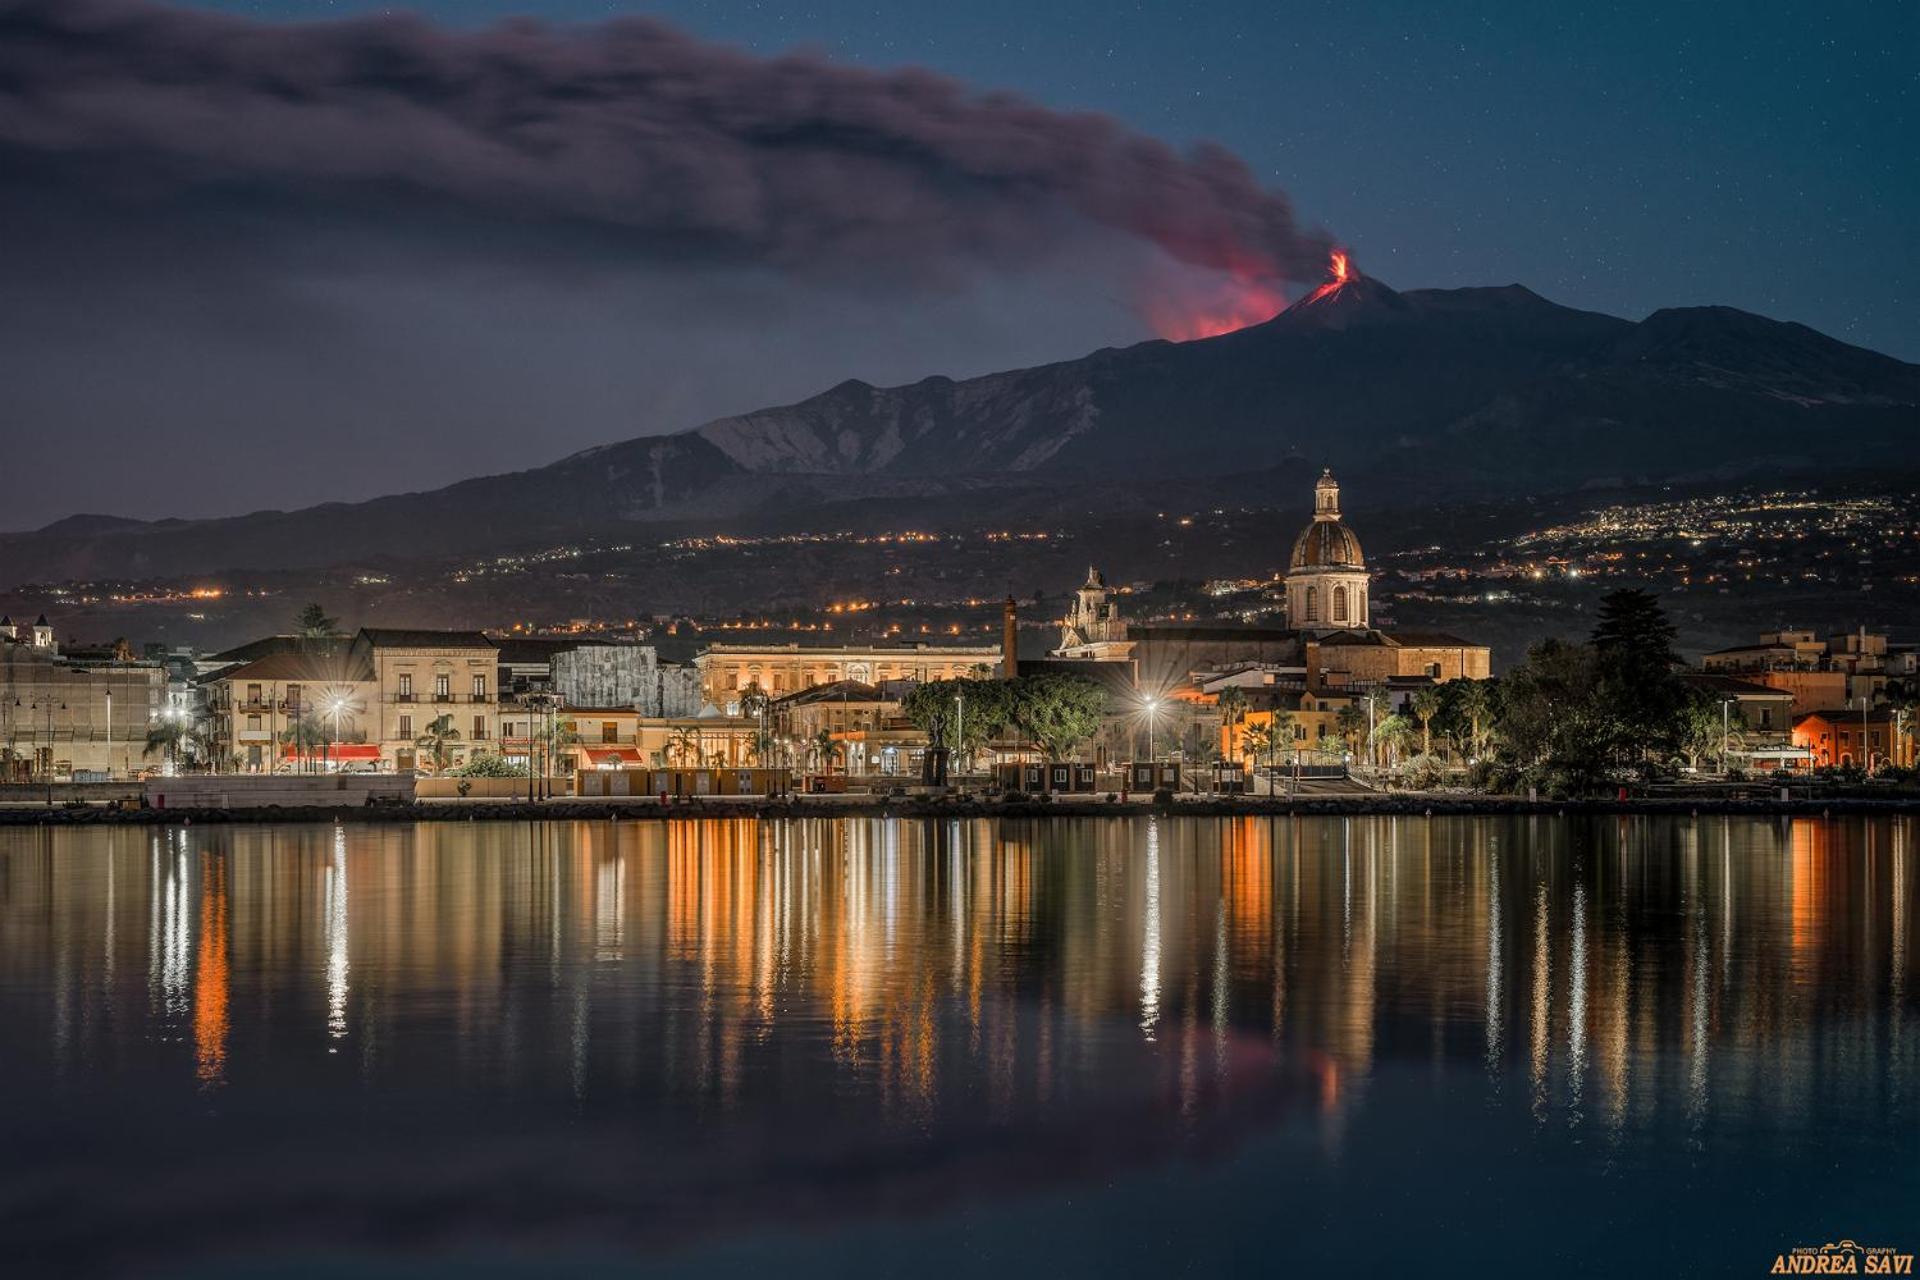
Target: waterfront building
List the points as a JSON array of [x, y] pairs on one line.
[[1868, 740], [729, 670], [420, 676], [603, 738], [71, 719], [1327, 655], [864, 722], [288, 709], [1820, 674]]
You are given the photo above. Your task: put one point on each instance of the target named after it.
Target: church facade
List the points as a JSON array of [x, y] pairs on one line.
[[1328, 643]]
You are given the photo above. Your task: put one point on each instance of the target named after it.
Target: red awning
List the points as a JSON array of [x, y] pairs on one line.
[[613, 757], [338, 751]]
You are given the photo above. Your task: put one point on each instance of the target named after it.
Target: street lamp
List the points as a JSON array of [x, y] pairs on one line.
[[960, 722], [334, 708], [1153, 709], [1725, 732]]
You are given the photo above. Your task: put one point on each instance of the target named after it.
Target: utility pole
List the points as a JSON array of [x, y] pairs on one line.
[[960, 720]]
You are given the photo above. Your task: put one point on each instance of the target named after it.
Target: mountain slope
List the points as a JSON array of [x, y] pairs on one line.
[[1490, 391]]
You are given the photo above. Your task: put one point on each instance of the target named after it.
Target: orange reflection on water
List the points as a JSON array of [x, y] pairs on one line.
[[210, 980]]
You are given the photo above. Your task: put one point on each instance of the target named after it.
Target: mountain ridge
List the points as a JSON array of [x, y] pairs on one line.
[[1426, 387]]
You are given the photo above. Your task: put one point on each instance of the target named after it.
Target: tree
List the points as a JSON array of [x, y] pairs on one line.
[[1057, 712], [1391, 737], [437, 742], [821, 748], [1639, 676], [314, 624], [489, 765], [1425, 705], [1554, 717], [177, 738], [683, 746], [1233, 706], [1258, 742], [1281, 725], [306, 733], [557, 736], [754, 703], [1351, 724], [1708, 732], [967, 714]]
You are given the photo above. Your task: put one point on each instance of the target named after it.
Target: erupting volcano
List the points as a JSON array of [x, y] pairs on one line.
[[1340, 269], [1233, 301]]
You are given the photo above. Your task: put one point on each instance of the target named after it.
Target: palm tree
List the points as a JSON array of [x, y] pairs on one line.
[[1425, 706], [173, 736], [1477, 703], [558, 736], [1233, 706], [1258, 741], [753, 705], [314, 624], [304, 733], [437, 742], [821, 749], [683, 745]]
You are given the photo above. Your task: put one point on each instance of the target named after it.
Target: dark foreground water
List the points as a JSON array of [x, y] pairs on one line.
[[1336, 1046]]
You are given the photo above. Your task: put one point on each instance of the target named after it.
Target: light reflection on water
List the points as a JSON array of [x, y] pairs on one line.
[[681, 1042]]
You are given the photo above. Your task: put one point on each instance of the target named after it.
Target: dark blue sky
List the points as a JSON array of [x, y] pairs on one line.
[[1622, 158]]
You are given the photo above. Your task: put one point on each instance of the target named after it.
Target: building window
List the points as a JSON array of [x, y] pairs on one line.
[[609, 731], [1313, 601], [253, 724], [406, 684], [479, 727], [442, 687], [479, 688], [293, 699], [406, 726], [1339, 604], [253, 694]]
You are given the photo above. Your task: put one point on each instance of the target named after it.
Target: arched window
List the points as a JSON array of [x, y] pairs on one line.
[[1312, 603], [1340, 604]]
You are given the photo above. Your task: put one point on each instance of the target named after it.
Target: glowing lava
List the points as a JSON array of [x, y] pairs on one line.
[[1205, 310], [1340, 269]]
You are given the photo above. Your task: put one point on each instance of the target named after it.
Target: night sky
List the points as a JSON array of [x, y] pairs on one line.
[[277, 295]]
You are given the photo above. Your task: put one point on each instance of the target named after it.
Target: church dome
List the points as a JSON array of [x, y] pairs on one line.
[[1326, 544]]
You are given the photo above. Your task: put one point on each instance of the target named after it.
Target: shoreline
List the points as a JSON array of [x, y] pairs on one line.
[[650, 810]]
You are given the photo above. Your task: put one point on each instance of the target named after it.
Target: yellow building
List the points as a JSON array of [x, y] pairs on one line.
[[728, 670], [419, 677], [255, 708], [612, 739]]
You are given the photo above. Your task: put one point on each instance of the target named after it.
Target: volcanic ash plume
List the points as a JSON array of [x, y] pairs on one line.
[[669, 145]]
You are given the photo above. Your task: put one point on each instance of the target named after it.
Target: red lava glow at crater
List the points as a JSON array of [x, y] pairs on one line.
[[1195, 309], [1182, 315]]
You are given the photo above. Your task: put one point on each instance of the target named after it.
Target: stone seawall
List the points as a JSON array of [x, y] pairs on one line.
[[648, 810]]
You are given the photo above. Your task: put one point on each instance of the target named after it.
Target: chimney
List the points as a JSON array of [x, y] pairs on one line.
[[1009, 639]]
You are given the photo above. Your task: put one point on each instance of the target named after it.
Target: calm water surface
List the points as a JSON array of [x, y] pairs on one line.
[[1564, 1046]]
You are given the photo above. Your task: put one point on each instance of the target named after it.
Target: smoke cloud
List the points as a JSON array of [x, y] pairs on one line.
[[669, 146]]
